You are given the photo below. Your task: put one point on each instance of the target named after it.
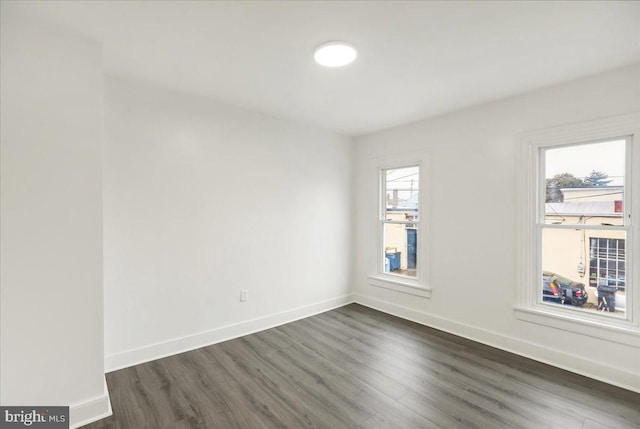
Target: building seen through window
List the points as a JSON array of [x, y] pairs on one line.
[[582, 226]]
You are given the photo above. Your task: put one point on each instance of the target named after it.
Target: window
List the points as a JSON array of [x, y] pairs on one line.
[[576, 240], [400, 219], [583, 199], [399, 234], [607, 262]]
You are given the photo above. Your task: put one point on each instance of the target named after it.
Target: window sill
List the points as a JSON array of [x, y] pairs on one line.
[[411, 287], [628, 335]]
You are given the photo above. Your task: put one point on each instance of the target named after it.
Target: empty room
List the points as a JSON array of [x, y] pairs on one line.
[[320, 214]]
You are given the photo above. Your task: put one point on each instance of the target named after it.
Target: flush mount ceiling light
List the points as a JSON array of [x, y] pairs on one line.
[[335, 54]]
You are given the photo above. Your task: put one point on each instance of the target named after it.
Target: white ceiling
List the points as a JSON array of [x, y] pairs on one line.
[[416, 59]]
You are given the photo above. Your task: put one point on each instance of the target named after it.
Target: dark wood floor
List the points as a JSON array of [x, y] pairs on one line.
[[356, 367]]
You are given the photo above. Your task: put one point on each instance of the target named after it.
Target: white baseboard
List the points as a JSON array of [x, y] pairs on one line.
[[569, 362], [179, 345], [90, 411]]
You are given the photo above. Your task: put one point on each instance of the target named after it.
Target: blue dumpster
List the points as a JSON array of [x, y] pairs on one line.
[[394, 260]]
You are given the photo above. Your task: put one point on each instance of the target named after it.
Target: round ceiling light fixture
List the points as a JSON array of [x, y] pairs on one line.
[[335, 54]]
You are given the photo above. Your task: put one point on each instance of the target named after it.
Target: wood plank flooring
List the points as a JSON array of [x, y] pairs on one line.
[[354, 367]]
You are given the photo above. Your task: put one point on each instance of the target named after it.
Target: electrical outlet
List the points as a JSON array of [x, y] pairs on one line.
[[243, 295]]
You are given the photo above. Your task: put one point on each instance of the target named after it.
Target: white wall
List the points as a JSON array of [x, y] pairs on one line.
[[51, 209], [473, 217], [202, 200]]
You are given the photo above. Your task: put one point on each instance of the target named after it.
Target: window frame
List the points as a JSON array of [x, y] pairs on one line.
[[417, 286], [598, 257], [532, 187], [382, 219]]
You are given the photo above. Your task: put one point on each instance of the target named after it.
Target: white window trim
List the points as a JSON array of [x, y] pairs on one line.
[[377, 277], [528, 308]]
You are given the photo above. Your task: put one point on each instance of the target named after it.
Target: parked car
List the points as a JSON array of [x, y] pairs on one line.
[[572, 293], [550, 291]]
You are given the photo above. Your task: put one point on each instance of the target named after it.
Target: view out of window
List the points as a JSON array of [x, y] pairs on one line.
[[400, 220], [583, 228]]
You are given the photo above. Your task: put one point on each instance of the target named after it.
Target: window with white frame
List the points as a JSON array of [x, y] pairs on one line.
[[400, 220], [581, 204], [607, 262], [577, 239], [399, 231]]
